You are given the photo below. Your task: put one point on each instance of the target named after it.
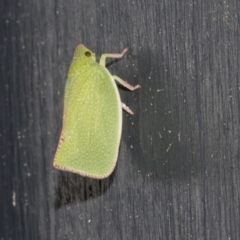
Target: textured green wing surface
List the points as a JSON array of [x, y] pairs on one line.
[[92, 124]]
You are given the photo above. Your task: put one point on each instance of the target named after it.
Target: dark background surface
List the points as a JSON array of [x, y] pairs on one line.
[[178, 172]]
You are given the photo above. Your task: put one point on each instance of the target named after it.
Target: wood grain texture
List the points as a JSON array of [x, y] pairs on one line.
[[178, 172]]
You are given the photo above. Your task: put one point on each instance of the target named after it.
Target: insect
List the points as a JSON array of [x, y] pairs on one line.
[[92, 116]]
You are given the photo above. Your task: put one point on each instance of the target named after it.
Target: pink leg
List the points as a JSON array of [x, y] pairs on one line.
[[125, 84], [127, 109], [111, 55]]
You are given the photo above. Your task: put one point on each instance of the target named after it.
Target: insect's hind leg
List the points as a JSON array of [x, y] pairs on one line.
[[127, 109], [128, 86], [118, 79]]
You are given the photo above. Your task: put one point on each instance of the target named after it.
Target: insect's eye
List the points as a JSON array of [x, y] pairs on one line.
[[88, 54]]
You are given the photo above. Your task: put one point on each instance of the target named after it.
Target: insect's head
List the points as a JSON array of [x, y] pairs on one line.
[[84, 53]]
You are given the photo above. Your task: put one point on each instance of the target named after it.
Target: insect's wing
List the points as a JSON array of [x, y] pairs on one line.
[[92, 124]]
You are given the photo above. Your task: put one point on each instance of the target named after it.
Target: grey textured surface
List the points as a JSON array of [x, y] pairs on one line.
[[178, 172]]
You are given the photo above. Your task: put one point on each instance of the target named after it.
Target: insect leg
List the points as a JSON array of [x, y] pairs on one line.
[[125, 84], [128, 86], [111, 55], [127, 109]]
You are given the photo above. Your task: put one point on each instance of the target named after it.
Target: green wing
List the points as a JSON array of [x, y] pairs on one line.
[[92, 123]]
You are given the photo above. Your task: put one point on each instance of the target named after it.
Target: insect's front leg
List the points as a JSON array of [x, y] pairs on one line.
[[111, 55]]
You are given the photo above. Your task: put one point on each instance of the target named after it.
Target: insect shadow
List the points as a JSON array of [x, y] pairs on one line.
[[75, 188], [110, 63]]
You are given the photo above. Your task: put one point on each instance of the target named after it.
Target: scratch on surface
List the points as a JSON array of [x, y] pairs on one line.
[[179, 137], [161, 137], [169, 147], [14, 198], [160, 90]]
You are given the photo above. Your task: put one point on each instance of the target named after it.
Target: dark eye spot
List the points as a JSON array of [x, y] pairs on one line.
[[88, 54]]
